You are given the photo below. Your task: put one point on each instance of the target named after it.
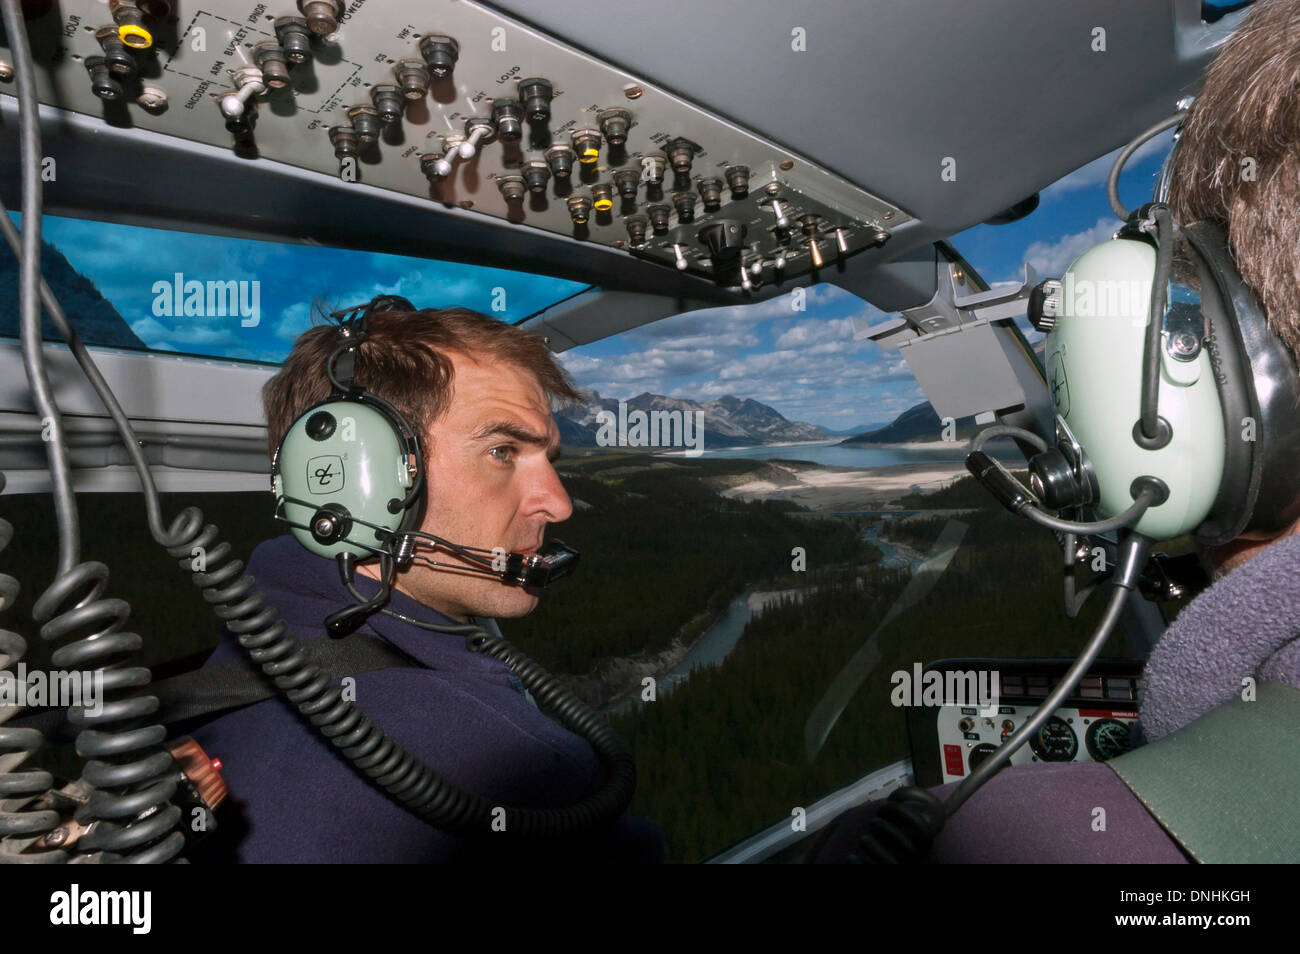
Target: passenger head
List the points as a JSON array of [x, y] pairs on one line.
[[1238, 164], [479, 393]]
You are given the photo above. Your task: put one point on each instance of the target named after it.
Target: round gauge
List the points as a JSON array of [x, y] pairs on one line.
[[1106, 739], [980, 753], [1055, 741]]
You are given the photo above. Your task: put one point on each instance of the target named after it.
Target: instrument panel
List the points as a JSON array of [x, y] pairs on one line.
[[1096, 723]]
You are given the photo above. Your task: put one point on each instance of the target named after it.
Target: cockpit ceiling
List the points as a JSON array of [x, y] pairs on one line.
[[907, 122], [1017, 92]]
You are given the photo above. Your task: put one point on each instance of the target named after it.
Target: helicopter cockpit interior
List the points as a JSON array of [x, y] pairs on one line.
[[876, 217]]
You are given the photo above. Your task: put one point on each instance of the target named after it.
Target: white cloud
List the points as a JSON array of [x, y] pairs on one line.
[[204, 333], [1051, 259], [294, 320]]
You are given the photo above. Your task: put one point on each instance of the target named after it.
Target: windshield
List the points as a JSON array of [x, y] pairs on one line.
[[139, 288]]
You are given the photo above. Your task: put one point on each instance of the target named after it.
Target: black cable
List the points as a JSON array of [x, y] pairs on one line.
[[130, 775], [29, 309], [1112, 179], [1163, 222], [18, 829]]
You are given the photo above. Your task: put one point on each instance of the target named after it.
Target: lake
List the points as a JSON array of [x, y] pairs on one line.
[[833, 454]]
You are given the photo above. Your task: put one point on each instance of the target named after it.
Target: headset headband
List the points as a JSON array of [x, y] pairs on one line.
[[341, 366]]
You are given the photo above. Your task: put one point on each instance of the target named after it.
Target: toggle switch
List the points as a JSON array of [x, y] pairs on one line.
[[809, 224], [248, 83], [478, 131], [436, 166], [779, 211]]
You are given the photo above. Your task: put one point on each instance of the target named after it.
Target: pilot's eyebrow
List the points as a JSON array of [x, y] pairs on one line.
[[516, 431]]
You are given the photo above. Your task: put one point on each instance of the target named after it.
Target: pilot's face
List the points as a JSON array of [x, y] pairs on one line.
[[491, 483]]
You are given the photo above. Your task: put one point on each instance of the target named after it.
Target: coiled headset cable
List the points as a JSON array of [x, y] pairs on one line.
[[129, 777]]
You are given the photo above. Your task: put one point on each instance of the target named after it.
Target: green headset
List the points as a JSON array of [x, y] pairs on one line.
[[348, 475], [1200, 406], [1227, 438]]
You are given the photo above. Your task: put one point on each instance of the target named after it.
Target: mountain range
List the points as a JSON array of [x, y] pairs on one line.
[[918, 423], [728, 421]]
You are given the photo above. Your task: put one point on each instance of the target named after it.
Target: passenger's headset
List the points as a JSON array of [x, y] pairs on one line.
[[349, 480], [1227, 438], [1201, 403], [1177, 411]]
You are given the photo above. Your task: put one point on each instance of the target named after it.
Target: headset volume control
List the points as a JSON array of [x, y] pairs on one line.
[[321, 425]]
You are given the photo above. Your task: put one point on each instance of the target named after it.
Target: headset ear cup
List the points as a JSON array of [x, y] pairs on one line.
[[349, 456], [1239, 485], [1258, 378]]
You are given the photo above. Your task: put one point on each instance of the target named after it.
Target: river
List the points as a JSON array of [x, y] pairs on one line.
[[716, 643]]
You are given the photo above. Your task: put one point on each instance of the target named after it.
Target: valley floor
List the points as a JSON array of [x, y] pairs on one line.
[[847, 488]]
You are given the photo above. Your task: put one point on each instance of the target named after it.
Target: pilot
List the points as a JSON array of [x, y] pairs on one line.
[[1238, 164], [480, 391]]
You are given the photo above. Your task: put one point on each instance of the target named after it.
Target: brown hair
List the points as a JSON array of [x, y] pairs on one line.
[[1238, 160], [403, 360]]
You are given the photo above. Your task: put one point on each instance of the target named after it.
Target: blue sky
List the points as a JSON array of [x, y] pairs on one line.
[[804, 364]]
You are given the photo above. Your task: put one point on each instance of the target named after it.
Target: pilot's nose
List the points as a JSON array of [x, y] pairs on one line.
[[553, 499]]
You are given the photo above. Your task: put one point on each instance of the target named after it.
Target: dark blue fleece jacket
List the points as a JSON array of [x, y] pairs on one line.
[[294, 799]]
